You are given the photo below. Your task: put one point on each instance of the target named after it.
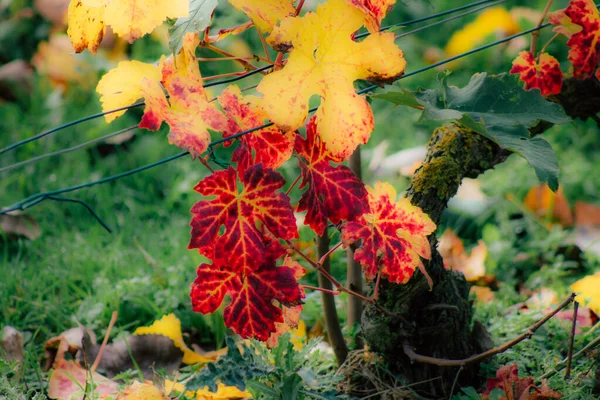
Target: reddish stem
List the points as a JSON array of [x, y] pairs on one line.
[[113, 319], [293, 185], [326, 255], [299, 7], [332, 292]]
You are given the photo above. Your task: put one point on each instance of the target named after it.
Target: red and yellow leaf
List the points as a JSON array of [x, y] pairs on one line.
[[508, 381], [333, 193], [252, 312], [394, 235], [240, 210], [269, 146], [374, 10], [129, 19], [545, 75], [265, 13], [580, 22], [187, 111], [324, 60]]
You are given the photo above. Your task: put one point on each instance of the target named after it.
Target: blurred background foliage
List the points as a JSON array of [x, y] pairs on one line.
[[77, 272]]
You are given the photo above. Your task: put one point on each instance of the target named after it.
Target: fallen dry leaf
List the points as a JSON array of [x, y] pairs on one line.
[[549, 205], [141, 391], [455, 257], [587, 291], [482, 294], [14, 226]]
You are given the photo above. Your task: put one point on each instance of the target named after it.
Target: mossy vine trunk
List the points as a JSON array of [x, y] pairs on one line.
[[439, 323]]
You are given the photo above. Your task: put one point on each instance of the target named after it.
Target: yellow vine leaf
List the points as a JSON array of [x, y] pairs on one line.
[[141, 391], [223, 392], [265, 13], [129, 19], [170, 326], [324, 60], [587, 291], [122, 86]]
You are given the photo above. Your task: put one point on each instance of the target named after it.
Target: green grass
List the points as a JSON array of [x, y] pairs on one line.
[[76, 272]]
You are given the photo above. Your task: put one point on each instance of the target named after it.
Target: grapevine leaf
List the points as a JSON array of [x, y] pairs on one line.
[[251, 313], [129, 19], [374, 10], [122, 86], [269, 146], [580, 22], [86, 26], [402, 98], [333, 193], [199, 19], [325, 61], [394, 235], [545, 75], [587, 291], [498, 108], [239, 211], [265, 13], [244, 362]]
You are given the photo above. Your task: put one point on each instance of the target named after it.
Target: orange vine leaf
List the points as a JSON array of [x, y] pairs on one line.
[[325, 60], [394, 235], [545, 75], [129, 19], [580, 22], [269, 146], [240, 210], [374, 10], [334, 192]]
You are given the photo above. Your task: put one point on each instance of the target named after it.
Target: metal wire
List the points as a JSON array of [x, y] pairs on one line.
[[258, 70], [37, 198]]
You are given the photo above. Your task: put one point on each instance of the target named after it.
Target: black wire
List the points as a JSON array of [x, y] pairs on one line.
[[37, 198], [230, 80]]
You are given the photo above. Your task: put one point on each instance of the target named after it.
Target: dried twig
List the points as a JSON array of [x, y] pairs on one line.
[[113, 319], [442, 362], [570, 354]]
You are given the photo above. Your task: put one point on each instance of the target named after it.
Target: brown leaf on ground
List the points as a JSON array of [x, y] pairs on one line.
[[549, 205], [53, 10], [15, 79], [587, 227], [482, 294], [18, 225]]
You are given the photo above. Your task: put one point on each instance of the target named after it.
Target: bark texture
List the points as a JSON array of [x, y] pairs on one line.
[[438, 323]]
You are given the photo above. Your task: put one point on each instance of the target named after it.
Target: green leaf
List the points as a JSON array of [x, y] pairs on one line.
[[404, 97], [497, 107], [198, 20]]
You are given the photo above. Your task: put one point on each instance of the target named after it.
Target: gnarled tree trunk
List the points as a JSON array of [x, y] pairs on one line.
[[438, 323]]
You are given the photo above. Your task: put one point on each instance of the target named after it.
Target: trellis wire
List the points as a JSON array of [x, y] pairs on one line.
[[256, 71], [37, 198]]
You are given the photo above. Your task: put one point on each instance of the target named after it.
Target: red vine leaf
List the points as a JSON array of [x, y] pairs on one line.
[[252, 312], [545, 75], [580, 22], [394, 235], [240, 208], [507, 380], [333, 193], [187, 111], [269, 146], [375, 11]]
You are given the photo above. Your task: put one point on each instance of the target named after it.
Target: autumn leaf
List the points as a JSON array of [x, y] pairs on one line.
[[374, 10], [471, 264], [324, 60], [587, 291], [269, 146], [333, 192], [508, 381], [141, 391], [240, 210], [265, 13], [251, 312], [129, 19], [550, 205], [187, 111], [580, 22], [544, 75], [170, 326], [394, 235]]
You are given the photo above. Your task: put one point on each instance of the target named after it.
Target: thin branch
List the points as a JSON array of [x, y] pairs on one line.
[[320, 289], [536, 34], [572, 340], [247, 66], [325, 257], [563, 363], [332, 322], [442, 362], [264, 45], [299, 7], [293, 185], [113, 319]]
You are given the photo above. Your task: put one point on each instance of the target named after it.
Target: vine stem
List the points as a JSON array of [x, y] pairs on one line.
[[208, 78], [287, 192], [299, 7], [332, 322], [548, 42], [325, 256], [320, 289], [443, 362], [264, 45], [536, 34], [572, 340], [247, 66]]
